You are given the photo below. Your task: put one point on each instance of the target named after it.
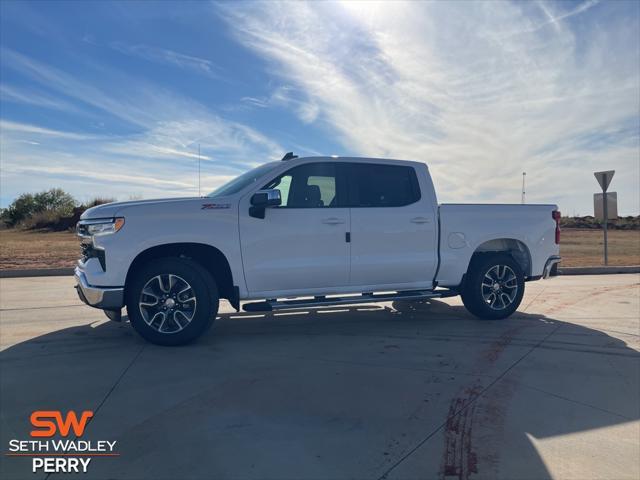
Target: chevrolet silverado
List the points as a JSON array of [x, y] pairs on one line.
[[308, 232]]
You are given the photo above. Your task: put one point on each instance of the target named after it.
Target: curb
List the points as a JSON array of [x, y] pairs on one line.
[[37, 272], [598, 270]]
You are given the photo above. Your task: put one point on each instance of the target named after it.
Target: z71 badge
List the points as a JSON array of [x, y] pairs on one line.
[[214, 206]]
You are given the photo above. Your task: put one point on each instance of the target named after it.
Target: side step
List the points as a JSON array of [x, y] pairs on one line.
[[321, 301]]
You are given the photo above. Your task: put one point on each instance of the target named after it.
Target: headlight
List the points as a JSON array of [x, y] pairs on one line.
[[93, 228]]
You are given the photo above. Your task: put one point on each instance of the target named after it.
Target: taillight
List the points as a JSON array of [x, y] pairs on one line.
[[556, 216]]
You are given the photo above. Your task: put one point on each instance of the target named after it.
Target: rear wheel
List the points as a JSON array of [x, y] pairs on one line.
[[493, 287], [172, 301]]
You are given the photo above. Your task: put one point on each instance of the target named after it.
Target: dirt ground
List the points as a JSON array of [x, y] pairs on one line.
[[26, 249], [582, 247], [578, 247]]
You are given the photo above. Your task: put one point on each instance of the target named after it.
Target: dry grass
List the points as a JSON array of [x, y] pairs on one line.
[[32, 249], [578, 247], [583, 248]]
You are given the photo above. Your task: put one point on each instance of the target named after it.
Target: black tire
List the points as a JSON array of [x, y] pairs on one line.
[[482, 297], [178, 323]]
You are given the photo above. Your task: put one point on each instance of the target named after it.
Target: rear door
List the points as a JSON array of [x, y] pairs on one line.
[[302, 244], [393, 231]]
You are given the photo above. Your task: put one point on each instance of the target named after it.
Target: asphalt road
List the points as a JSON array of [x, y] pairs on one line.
[[395, 390]]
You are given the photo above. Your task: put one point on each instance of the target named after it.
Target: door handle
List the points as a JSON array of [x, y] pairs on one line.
[[333, 221], [420, 220]]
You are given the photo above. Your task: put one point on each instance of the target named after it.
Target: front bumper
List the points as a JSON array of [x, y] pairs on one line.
[[551, 267], [106, 298]]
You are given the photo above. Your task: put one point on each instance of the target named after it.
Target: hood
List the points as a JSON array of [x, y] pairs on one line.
[[110, 210]]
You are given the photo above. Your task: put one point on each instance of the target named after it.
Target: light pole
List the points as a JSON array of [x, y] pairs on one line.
[[524, 175]]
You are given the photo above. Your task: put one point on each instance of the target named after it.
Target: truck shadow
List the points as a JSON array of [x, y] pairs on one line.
[[415, 389]]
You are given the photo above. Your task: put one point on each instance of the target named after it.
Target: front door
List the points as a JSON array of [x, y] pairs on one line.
[[301, 244]]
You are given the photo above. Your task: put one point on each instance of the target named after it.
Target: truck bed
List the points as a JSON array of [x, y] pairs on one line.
[[466, 228]]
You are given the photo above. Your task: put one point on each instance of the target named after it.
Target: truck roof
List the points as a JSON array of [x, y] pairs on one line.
[[335, 158]]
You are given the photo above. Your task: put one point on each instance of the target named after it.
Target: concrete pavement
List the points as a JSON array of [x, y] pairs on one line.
[[394, 390]]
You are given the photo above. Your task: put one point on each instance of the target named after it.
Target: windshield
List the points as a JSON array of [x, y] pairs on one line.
[[244, 180]]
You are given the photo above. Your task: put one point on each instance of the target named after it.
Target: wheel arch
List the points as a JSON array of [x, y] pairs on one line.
[[517, 249], [208, 256]]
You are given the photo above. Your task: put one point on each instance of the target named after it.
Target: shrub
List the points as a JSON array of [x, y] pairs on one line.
[[47, 219], [589, 222], [97, 201], [52, 209], [21, 208], [55, 200], [59, 221]]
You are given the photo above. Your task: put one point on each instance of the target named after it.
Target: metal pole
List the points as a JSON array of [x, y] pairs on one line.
[[605, 211], [524, 174], [199, 171]]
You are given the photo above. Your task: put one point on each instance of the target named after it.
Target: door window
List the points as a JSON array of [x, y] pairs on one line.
[[375, 185], [283, 184], [312, 185]]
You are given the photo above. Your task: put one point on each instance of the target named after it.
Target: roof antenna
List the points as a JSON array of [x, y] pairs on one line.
[[289, 156]]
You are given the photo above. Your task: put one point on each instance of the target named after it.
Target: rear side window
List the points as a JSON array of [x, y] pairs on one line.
[[374, 185]]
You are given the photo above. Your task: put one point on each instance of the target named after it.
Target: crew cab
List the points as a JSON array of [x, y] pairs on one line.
[[308, 232]]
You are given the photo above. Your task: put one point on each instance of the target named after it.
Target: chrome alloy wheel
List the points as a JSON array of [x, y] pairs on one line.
[[167, 303], [499, 287]]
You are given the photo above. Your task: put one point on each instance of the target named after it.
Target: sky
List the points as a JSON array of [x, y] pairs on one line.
[[114, 99]]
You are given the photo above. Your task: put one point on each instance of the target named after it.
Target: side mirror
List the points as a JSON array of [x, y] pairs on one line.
[[263, 199], [266, 198]]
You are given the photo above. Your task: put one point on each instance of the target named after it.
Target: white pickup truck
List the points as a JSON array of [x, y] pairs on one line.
[[308, 232]]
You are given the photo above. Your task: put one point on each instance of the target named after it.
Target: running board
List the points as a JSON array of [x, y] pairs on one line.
[[321, 301]]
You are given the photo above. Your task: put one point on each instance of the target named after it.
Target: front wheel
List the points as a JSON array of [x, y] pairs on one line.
[[172, 301], [493, 287]]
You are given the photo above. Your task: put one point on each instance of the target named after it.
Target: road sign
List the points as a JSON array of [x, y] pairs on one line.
[[604, 178], [612, 205]]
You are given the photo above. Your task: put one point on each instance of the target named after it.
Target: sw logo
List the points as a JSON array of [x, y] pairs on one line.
[[61, 454], [43, 419]]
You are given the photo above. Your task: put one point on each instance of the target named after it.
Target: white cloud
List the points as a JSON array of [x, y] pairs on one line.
[[256, 102], [160, 162], [11, 93], [157, 159], [287, 97], [479, 91], [87, 173], [116, 103], [106, 176], [166, 120], [34, 130], [170, 57], [556, 18], [220, 140]]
